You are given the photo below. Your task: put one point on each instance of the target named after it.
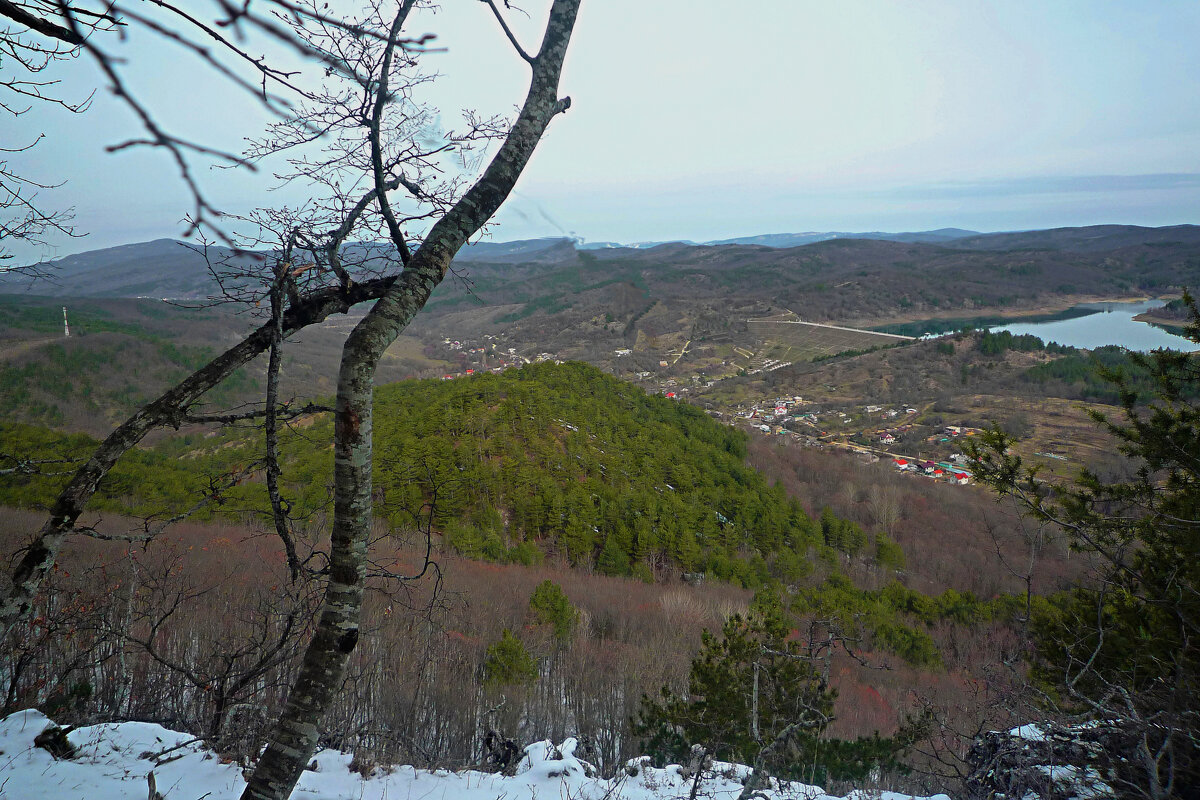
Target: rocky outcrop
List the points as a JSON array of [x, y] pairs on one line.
[[1049, 762]]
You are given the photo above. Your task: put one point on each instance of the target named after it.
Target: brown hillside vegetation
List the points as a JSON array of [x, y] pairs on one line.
[[166, 631], [853, 281], [689, 305], [954, 537]]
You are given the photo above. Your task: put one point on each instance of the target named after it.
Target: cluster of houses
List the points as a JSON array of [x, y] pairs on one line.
[[892, 435], [488, 357], [939, 471], [953, 432], [769, 417], [889, 435], [889, 413], [772, 410], [503, 365], [787, 409]]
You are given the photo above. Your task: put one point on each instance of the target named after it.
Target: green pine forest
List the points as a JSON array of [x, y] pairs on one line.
[[548, 460]]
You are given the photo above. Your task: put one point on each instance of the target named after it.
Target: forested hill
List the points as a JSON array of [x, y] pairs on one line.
[[547, 460], [566, 460]]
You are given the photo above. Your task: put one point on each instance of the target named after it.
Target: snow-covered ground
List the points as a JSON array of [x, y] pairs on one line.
[[112, 762]]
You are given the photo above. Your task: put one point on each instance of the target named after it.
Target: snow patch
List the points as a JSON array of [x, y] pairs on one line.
[[114, 759]]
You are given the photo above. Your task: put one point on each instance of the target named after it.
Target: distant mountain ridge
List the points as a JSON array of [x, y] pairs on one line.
[[800, 239], [1088, 239], [784, 240], [168, 269], [1085, 239], [162, 268]]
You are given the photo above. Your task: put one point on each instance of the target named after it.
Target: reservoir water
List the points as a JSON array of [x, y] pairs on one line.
[[1110, 323]]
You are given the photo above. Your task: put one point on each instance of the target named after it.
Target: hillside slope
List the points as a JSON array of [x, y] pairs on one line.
[[159, 268], [558, 462], [680, 311], [657, 301]]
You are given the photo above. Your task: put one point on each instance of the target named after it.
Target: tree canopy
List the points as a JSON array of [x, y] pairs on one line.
[[1125, 647]]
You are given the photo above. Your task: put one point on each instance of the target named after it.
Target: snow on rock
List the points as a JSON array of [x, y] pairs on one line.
[[1030, 733], [1047, 761], [109, 763], [113, 760]]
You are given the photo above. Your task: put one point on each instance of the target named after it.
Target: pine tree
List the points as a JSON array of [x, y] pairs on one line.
[[1125, 647], [550, 604], [888, 554], [613, 559], [508, 663], [721, 709]]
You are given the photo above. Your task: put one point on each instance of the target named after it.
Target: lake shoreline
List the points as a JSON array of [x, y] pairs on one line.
[[1172, 325], [1107, 323], [949, 322]]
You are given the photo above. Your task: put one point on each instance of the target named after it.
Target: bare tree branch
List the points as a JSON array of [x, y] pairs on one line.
[[508, 31]]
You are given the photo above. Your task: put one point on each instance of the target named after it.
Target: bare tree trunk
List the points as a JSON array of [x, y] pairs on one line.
[[759, 778], [294, 738]]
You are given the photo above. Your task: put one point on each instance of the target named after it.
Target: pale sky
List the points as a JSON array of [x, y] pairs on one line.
[[698, 119]]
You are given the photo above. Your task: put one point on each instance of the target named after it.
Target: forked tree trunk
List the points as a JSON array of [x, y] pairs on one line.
[[294, 738]]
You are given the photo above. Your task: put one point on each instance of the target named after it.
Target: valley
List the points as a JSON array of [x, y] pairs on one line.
[[668, 435], [649, 316], [599, 401]]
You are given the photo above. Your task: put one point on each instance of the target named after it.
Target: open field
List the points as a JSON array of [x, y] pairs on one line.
[[808, 340], [1062, 436]]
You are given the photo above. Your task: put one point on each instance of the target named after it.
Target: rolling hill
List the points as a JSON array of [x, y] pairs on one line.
[[681, 311], [560, 460], [163, 268], [939, 236]]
